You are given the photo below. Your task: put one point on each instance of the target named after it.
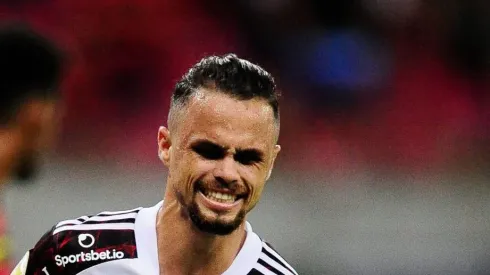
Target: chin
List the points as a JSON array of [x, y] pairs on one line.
[[214, 224], [216, 216]]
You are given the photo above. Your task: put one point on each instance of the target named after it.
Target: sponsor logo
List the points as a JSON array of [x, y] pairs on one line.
[[86, 240], [88, 257]]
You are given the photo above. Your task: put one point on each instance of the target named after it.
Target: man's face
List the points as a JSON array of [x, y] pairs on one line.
[[37, 129], [219, 154]]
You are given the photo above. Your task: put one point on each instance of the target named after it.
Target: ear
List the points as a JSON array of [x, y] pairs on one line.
[[277, 149], [164, 145]]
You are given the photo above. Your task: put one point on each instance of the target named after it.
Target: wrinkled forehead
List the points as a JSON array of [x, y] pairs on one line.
[[228, 121]]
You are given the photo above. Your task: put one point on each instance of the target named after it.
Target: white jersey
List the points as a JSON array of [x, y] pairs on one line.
[[125, 243]]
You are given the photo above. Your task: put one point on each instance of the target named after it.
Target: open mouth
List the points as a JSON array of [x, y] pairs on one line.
[[220, 197]]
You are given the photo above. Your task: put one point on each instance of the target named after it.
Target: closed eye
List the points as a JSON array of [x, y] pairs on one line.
[[208, 150], [249, 156]]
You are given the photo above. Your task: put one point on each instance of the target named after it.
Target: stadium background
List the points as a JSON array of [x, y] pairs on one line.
[[385, 122]]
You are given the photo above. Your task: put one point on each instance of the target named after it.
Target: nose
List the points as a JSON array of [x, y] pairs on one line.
[[226, 171]]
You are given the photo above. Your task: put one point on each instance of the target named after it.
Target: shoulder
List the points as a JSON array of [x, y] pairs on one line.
[[271, 262], [72, 246]]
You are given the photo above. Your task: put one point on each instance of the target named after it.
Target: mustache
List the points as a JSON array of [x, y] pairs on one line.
[[234, 188]]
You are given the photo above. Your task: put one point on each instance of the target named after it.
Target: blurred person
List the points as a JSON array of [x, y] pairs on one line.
[[30, 66], [219, 147]]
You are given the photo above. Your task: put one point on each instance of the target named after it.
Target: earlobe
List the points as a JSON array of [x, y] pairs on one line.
[[160, 155], [164, 145], [277, 149]]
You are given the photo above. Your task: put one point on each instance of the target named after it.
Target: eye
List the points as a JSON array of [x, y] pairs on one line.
[[209, 151], [248, 157]]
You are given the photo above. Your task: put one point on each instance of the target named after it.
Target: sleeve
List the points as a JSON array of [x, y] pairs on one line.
[[39, 260]]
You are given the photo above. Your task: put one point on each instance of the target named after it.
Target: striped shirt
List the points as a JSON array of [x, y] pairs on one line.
[[125, 243]]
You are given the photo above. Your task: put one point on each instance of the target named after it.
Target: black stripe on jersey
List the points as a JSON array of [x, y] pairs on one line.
[[275, 258], [108, 213], [89, 221], [87, 218], [270, 246], [269, 267], [130, 220], [255, 272], [74, 222]]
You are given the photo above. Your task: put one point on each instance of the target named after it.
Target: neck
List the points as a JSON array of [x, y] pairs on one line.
[[184, 249]]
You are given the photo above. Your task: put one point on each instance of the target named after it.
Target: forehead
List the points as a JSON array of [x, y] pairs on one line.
[[227, 121]]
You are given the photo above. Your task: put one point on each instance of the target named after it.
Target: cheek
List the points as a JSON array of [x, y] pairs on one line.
[[202, 166], [190, 168], [179, 165], [257, 193], [255, 179], [254, 197]]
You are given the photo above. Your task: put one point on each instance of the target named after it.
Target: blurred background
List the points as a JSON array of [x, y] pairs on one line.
[[385, 165]]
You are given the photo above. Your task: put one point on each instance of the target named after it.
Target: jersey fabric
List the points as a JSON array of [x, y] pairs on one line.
[[5, 249], [125, 243]]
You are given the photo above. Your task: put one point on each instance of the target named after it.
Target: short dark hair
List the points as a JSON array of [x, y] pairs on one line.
[[230, 75], [30, 67]]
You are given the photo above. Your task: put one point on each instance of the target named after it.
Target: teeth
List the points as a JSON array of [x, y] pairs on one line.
[[221, 197]]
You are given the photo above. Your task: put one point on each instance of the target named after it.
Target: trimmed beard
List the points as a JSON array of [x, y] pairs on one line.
[[215, 227]]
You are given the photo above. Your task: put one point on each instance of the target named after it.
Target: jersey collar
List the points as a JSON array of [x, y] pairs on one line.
[[146, 243]]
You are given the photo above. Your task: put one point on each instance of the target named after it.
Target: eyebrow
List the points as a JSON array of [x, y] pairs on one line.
[[205, 142], [249, 151]]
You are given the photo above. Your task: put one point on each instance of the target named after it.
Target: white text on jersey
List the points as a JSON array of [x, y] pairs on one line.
[[87, 257]]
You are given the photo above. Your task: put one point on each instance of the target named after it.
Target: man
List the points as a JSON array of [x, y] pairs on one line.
[[219, 147], [30, 67]]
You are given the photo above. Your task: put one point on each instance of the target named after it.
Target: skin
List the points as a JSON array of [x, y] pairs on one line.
[[22, 140], [218, 143]]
